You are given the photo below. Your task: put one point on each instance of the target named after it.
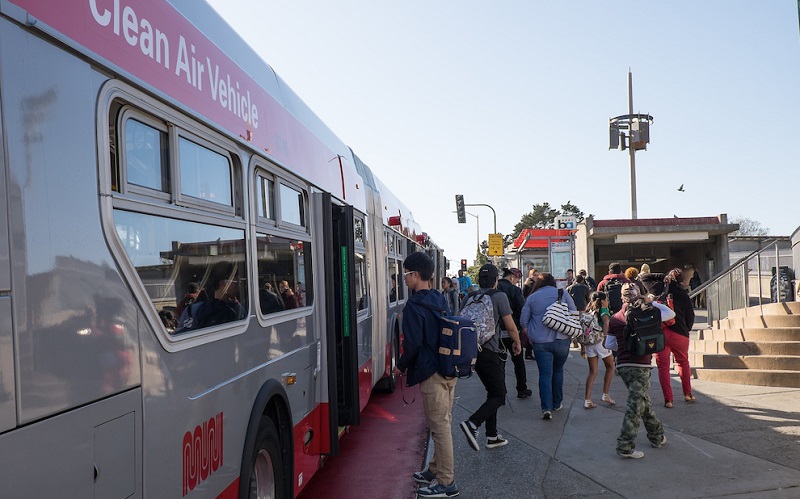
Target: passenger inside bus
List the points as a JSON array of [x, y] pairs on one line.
[[288, 296], [269, 301], [223, 307]]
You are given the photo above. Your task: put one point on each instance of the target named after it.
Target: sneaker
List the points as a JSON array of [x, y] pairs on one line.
[[560, 406], [497, 441], [663, 441], [529, 357], [634, 454], [547, 415], [471, 432], [424, 476], [436, 489], [523, 394]]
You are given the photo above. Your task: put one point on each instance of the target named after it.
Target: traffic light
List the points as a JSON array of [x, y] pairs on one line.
[[464, 264], [462, 214]]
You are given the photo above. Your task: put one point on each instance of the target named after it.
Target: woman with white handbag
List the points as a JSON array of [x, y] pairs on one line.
[[550, 346]]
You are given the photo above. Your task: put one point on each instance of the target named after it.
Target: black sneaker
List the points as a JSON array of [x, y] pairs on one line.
[[498, 441], [524, 394], [547, 415], [471, 432]]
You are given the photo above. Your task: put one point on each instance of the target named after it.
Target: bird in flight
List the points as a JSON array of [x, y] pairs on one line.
[[681, 188]]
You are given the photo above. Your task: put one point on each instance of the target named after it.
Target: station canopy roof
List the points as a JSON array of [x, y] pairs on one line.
[[540, 238]]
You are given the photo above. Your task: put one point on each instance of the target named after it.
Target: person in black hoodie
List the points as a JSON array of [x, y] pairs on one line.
[[509, 285], [420, 361], [676, 335]]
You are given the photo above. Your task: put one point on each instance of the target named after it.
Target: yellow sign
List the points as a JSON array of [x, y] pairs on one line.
[[495, 244]]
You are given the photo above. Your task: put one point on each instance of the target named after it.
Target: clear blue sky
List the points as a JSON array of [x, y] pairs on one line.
[[508, 102]]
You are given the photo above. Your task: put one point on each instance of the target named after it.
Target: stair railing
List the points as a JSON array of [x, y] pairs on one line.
[[730, 289]]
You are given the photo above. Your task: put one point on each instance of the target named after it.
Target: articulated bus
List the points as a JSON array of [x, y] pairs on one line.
[[198, 280]]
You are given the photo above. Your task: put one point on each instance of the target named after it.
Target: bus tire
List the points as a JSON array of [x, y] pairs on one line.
[[265, 469], [388, 383]]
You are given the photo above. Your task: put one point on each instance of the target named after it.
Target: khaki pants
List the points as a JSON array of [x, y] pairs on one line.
[[437, 400]]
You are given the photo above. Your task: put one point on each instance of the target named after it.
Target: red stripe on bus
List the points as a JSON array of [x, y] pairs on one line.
[[231, 491]]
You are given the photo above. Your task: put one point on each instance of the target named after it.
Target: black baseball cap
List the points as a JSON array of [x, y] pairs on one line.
[[488, 271]]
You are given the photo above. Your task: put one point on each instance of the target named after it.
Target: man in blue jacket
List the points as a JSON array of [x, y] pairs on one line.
[[420, 360]]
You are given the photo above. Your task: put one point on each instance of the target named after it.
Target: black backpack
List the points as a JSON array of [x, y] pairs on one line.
[[643, 334], [614, 294]]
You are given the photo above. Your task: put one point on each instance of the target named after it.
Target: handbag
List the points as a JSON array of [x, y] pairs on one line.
[[592, 330], [559, 317]]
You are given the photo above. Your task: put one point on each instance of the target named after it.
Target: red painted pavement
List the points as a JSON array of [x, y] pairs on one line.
[[376, 458]]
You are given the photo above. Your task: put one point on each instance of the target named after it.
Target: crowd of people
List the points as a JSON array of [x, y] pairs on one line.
[[518, 308]]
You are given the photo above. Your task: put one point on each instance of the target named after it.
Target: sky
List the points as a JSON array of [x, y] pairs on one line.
[[508, 103]]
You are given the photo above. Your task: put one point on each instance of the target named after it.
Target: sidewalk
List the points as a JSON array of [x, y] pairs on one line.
[[734, 441]]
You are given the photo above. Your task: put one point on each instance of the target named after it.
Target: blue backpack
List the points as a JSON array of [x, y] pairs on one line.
[[457, 345]]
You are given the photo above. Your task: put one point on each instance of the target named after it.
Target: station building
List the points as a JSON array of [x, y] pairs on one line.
[[663, 243]]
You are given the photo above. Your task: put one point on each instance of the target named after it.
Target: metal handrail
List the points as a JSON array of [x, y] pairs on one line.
[[729, 289]]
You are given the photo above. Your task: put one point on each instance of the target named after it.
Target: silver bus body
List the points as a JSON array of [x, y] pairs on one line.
[[146, 148]]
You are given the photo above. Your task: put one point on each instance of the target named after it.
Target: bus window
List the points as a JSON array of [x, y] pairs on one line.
[[392, 278], [362, 296], [170, 254], [284, 274], [292, 206], [205, 174], [266, 198], [401, 283], [358, 231], [146, 156]]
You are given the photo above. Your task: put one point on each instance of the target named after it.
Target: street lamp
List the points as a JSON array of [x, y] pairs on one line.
[[638, 127], [478, 231]]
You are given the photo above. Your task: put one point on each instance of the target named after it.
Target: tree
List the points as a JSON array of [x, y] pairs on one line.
[[748, 227], [543, 217], [571, 209]]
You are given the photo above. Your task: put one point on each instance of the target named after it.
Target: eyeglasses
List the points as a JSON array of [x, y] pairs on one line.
[[405, 274]]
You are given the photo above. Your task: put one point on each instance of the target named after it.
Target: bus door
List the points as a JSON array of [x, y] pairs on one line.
[[8, 415], [341, 331]]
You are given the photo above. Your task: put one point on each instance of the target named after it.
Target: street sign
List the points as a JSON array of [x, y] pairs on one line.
[[495, 245], [566, 222]]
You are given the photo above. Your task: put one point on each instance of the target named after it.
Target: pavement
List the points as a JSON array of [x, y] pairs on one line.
[[734, 441], [389, 443]]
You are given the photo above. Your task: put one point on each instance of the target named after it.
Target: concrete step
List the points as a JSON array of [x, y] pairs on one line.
[[748, 362], [789, 379], [744, 347], [748, 334], [787, 308], [758, 322]]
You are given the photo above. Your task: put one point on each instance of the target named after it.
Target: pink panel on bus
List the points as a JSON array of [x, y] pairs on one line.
[[154, 42]]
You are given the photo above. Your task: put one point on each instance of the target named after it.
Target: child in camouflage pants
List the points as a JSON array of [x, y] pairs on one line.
[[635, 373], [637, 380]]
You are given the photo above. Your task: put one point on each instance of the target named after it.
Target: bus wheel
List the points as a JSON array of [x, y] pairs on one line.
[[266, 466], [389, 383]]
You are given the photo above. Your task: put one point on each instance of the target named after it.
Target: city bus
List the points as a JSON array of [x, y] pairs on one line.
[[200, 284]]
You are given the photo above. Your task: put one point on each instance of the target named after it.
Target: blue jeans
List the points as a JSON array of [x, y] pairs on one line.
[[550, 359]]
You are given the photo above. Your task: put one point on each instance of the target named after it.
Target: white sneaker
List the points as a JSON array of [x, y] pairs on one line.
[[634, 454], [663, 441]]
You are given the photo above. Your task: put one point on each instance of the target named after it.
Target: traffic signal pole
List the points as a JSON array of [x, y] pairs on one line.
[[494, 214]]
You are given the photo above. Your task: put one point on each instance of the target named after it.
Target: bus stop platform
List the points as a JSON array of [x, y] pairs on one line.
[[734, 441]]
